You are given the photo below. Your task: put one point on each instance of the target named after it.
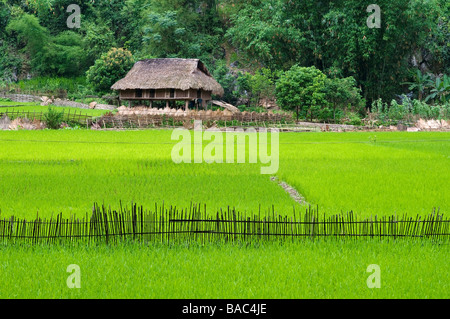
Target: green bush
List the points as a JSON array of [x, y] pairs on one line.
[[421, 109], [409, 111], [342, 95], [261, 85], [53, 118], [354, 119], [398, 112]]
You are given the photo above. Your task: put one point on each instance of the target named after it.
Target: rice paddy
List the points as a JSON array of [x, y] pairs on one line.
[[67, 171], [47, 172], [291, 271], [37, 108]]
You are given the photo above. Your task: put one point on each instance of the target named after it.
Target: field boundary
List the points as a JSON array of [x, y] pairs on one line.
[[172, 225], [73, 116], [293, 193]]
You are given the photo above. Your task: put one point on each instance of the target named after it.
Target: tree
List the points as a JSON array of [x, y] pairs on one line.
[[31, 36], [110, 68], [342, 93], [60, 55], [262, 85], [302, 89], [98, 39], [333, 36], [183, 28], [228, 81]]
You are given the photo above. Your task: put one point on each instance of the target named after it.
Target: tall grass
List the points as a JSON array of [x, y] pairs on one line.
[[48, 85], [33, 107]]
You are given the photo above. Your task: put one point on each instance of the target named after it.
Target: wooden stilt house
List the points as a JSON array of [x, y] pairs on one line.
[[168, 80]]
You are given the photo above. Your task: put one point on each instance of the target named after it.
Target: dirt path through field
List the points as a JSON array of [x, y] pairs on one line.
[[293, 193]]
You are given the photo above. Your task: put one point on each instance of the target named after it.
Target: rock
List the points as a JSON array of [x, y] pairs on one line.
[[46, 101], [22, 124], [268, 103], [92, 105], [4, 123], [393, 128], [421, 124], [413, 129], [433, 124]]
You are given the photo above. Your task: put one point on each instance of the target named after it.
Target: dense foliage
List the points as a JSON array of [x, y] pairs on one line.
[[247, 45], [111, 67]]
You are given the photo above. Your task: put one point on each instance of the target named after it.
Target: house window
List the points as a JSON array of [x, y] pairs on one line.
[[199, 94], [172, 93], [152, 93], [138, 93]]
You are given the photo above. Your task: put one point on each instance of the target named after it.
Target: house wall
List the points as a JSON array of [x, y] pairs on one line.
[[127, 94], [164, 94], [160, 94], [206, 95], [181, 94]]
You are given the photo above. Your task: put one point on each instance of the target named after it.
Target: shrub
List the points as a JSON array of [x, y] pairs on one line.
[[343, 95], [397, 112], [352, 118], [421, 109], [53, 118]]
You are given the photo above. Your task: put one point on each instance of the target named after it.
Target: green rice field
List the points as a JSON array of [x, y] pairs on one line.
[[33, 107], [399, 173], [271, 271], [371, 173]]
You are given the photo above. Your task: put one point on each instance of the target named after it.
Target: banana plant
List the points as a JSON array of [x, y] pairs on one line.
[[420, 83], [440, 88]]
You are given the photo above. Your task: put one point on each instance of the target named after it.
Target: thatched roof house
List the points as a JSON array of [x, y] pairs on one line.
[[168, 80]]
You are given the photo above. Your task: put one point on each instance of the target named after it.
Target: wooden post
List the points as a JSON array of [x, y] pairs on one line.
[[167, 103], [186, 106]]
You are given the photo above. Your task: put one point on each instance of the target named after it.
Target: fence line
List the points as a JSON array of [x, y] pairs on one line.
[[173, 120], [172, 225], [73, 116]]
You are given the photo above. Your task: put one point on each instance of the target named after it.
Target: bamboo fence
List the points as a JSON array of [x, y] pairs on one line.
[[195, 224]]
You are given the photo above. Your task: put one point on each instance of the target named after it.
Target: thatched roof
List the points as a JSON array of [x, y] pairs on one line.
[[182, 74]]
